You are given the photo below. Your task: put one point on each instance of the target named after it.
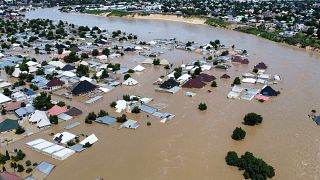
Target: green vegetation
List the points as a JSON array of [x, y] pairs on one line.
[[122, 118], [136, 110], [254, 168], [252, 119], [118, 13], [90, 117], [217, 23], [300, 38], [53, 119], [156, 62], [202, 107], [214, 84], [113, 104], [237, 81], [20, 130], [95, 12], [102, 113], [43, 102], [238, 134], [126, 76]]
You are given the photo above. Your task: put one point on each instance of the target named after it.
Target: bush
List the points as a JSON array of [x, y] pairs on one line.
[[252, 119], [87, 145], [130, 71], [102, 113], [202, 107], [254, 168], [214, 84], [156, 62], [127, 76], [20, 168], [238, 134], [29, 170], [237, 81], [28, 163], [54, 119], [122, 119], [135, 110], [113, 104], [61, 103], [71, 143], [20, 130], [126, 97], [148, 123]]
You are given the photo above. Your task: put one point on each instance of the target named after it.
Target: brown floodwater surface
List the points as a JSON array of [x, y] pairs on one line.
[[193, 144]]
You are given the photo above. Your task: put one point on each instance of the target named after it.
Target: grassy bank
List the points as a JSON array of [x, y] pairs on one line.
[[95, 12], [298, 39], [217, 23], [118, 13]]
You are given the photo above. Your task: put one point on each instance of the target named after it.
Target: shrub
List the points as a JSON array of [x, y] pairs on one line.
[[156, 62], [28, 163], [252, 119], [202, 107], [130, 71], [126, 97], [20, 130], [113, 104], [71, 143], [29, 170], [20, 168], [122, 119], [254, 168], [127, 76], [238, 134], [148, 123], [214, 84], [237, 81], [87, 145], [135, 110], [102, 113]]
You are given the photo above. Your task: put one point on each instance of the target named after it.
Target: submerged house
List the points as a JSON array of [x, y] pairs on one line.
[[54, 84], [268, 91], [83, 87]]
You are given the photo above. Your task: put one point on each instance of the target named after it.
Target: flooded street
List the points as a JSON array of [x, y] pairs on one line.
[[193, 145]]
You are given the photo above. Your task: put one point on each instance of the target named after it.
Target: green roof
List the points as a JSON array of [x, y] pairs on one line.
[[8, 124]]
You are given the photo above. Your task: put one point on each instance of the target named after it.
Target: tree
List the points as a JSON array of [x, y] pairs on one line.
[[225, 53], [318, 32], [126, 97], [122, 118], [7, 155], [156, 62], [254, 168], [95, 52], [54, 119], [237, 81], [87, 145], [71, 58], [7, 92], [28, 163], [106, 51], [42, 102], [20, 130], [126, 76], [214, 84], [84, 55], [238, 133], [252, 119], [104, 74], [136, 110], [20, 168], [102, 113], [113, 104], [61, 103], [202, 107], [29, 170], [82, 70]]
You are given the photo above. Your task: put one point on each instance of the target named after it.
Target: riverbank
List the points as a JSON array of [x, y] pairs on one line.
[[299, 40]]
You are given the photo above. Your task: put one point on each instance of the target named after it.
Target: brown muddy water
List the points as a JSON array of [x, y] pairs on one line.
[[193, 144]]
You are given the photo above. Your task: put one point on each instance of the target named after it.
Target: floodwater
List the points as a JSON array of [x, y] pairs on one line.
[[193, 144]]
